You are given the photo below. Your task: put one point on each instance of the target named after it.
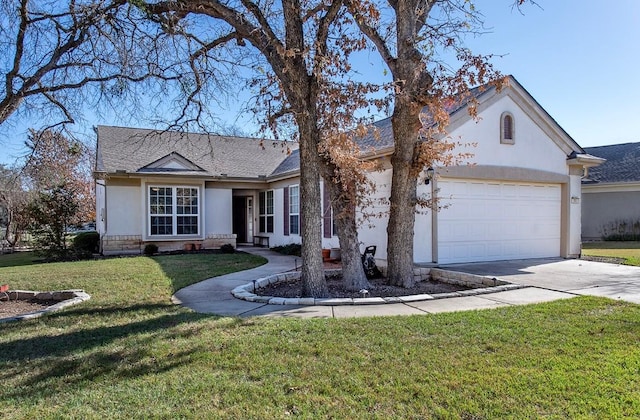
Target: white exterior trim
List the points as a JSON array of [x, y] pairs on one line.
[[611, 187]]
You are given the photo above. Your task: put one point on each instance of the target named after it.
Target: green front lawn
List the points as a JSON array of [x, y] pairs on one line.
[[18, 258], [129, 353], [628, 251]]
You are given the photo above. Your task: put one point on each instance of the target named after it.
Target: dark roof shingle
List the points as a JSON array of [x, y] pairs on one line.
[[132, 150], [622, 165]]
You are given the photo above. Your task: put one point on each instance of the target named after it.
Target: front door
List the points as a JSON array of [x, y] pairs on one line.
[[240, 219]]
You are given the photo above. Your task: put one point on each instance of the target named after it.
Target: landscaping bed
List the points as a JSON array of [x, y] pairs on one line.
[[11, 308], [293, 288], [430, 283], [16, 305]]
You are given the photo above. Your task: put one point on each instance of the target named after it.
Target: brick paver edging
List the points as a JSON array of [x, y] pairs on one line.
[[247, 291]]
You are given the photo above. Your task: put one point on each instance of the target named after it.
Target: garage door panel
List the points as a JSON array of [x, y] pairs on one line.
[[488, 221]]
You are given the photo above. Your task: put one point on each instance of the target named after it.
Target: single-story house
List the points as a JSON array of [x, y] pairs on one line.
[[611, 193], [519, 196]]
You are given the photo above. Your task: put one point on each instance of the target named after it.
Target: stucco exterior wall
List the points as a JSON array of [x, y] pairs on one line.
[[373, 230], [217, 211], [602, 210], [124, 211], [532, 148], [327, 243], [534, 157], [100, 206], [574, 246], [423, 239]]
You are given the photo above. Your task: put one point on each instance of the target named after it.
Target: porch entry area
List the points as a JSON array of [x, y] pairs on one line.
[[242, 218]]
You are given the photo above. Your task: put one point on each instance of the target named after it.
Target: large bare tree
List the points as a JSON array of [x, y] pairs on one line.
[[306, 48], [62, 57], [421, 42]]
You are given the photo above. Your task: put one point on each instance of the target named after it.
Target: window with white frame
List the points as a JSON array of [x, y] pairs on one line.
[[265, 208], [173, 211], [294, 210]]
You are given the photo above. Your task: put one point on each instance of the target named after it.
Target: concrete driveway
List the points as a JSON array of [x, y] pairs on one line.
[[571, 276]]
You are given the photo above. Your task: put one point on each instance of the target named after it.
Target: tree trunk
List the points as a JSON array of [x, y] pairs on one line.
[[344, 212], [414, 82], [314, 283], [8, 106], [400, 229]]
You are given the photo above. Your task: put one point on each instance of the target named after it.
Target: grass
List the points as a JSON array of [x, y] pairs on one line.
[[129, 353], [17, 258], [179, 270], [187, 269], [627, 251]]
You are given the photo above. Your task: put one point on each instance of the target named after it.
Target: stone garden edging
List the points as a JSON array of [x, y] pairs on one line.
[[65, 298], [483, 285]]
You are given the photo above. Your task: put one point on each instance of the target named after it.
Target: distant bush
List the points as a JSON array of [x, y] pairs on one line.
[[622, 230], [150, 249], [290, 249], [85, 244], [227, 249]]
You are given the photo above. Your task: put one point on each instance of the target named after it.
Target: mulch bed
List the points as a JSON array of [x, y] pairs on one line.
[[13, 308], [293, 288]]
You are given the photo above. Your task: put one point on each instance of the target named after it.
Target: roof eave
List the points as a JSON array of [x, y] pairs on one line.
[[585, 160]]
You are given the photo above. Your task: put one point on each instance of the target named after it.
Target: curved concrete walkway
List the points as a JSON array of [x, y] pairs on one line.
[[550, 279]]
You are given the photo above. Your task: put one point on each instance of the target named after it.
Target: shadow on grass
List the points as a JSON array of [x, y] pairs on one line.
[[38, 364], [110, 309], [84, 339], [19, 258]]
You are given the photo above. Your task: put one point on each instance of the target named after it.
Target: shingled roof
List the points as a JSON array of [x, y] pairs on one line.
[[133, 150], [380, 136], [622, 165]]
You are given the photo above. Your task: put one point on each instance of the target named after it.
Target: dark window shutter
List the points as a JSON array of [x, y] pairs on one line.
[[286, 211], [326, 211]]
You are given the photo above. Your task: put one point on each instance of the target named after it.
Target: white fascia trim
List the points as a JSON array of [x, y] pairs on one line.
[[586, 160], [611, 187]]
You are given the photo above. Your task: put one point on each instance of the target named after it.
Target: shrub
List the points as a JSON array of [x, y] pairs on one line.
[[51, 212], [621, 230], [150, 249], [86, 243], [290, 249], [227, 249]]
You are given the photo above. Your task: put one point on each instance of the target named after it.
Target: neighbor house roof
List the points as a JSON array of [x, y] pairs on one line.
[[133, 150], [622, 165]]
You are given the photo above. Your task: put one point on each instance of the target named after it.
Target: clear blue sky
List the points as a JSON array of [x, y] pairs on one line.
[[578, 58]]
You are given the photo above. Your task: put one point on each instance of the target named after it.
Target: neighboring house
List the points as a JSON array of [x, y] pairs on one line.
[[611, 193], [520, 198]]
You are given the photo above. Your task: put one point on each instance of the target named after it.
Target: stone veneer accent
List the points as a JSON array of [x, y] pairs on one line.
[[216, 240], [419, 273], [121, 244], [64, 297], [465, 279], [133, 244], [483, 285]]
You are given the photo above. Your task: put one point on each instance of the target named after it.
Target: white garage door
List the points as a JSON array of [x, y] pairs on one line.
[[493, 220]]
